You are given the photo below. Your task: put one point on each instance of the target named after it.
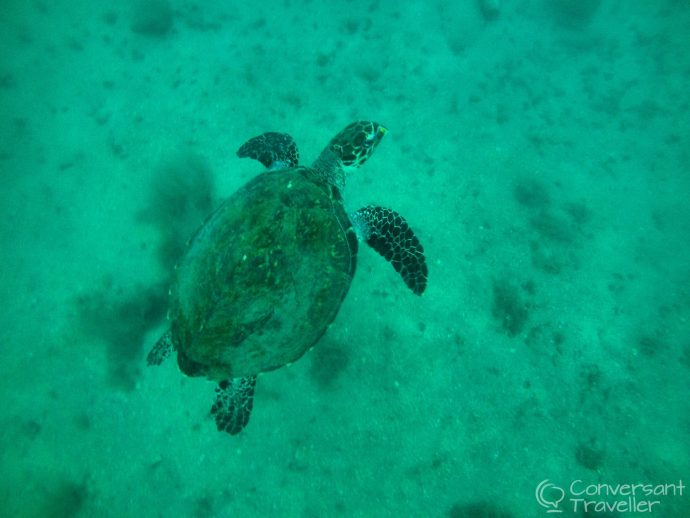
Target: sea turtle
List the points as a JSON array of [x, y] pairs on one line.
[[265, 274]]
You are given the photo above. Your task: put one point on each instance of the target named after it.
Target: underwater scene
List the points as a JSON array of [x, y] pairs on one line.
[[211, 306]]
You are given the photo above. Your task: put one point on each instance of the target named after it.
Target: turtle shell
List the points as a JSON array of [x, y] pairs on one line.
[[263, 277]]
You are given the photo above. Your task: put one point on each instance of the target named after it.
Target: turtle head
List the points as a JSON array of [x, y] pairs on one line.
[[355, 144], [348, 150]]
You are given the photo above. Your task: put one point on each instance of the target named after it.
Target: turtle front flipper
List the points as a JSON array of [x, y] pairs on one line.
[[273, 150], [388, 233], [163, 348], [234, 403]]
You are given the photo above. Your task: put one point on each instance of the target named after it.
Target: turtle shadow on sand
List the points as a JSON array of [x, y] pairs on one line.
[[119, 314], [181, 196], [120, 319]]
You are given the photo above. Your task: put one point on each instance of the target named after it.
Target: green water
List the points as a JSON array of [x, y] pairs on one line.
[[540, 152]]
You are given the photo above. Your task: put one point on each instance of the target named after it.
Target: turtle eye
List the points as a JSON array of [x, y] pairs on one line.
[[369, 140]]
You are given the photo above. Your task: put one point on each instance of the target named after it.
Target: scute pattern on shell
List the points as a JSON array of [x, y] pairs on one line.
[[246, 299]]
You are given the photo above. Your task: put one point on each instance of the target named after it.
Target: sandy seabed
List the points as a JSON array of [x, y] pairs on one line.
[[540, 151]]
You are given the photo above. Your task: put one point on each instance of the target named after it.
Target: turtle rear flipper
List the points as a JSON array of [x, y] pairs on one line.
[[163, 348], [388, 233], [234, 403]]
